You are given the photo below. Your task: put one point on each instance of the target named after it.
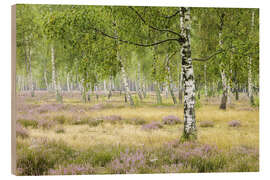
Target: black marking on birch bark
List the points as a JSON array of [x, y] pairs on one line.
[[188, 78]]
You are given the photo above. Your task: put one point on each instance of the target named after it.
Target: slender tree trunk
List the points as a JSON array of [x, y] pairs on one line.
[[250, 82], [105, 87], [124, 74], [138, 89], [53, 71], [59, 87], [170, 82], [180, 88], [166, 90], [236, 83], [89, 93], [110, 88], [126, 87], [83, 90], [144, 90], [68, 83], [158, 95], [223, 103], [54, 84], [237, 91], [188, 78], [224, 98], [30, 74], [229, 94], [71, 84], [205, 81], [97, 91], [46, 80]]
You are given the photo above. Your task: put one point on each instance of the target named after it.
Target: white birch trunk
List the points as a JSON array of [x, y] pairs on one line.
[[31, 84], [46, 80], [68, 83], [250, 84], [110, 88], [54, 84], [158, 95], [224, 98], [223, 103], [170, 83], [126, 87], [138, 88], [105, 87], [188, 77], [53, 71], [180, 87], [205, 82]]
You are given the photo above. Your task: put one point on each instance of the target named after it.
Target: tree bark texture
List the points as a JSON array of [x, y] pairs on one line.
[[188, 78]]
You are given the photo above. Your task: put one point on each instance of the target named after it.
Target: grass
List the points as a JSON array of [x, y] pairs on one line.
[[85, 133]]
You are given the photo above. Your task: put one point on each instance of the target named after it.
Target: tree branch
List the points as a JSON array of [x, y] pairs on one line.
[[134, 43], [155, 28], [168, 17], [172, 55], [209, 57]]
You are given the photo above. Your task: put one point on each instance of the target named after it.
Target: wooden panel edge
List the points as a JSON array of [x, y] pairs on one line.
[[13, 89]]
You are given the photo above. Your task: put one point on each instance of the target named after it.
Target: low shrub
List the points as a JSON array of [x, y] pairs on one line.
[[138, 121], [42, 155], [171, 120], [78, 120], [199, 157], [101, 158], [234, 123], [45, 124], [256, 101], [172, 168], [20, 131], [60, 130], [61, 119], [152, 125], [129, 162], [112, 118], [72, 169], [207, 124], [33, 162], [95, 122], [28, 123], [44, 108], [135, 121]]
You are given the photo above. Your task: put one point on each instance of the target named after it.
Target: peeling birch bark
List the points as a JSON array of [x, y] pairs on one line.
[[190, 131]]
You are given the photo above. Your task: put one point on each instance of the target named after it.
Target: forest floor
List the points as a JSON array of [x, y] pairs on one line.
[[109, 136]]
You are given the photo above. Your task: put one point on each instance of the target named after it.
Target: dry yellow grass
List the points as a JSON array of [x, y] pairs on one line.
[[84, 136]]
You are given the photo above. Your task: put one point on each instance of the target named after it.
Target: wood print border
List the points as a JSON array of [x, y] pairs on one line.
[[13, 89]]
